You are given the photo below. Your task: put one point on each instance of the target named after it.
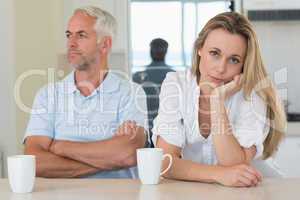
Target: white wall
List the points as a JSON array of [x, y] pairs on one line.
[[7, 118], [271, 4], [287, 158], [280, 45]]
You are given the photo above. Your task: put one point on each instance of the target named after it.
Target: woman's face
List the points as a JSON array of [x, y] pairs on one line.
[[222, 56]]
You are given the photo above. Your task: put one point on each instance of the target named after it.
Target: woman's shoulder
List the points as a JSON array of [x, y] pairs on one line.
[[253, 102], [242, 97], [182, 78]]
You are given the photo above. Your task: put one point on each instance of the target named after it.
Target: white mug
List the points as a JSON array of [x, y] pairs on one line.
[[149, 162], [21, 173]]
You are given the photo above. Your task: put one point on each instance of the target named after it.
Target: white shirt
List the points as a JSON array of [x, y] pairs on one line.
[[177, 120]]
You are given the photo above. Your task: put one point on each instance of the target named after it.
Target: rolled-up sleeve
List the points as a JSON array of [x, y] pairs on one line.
[[134, 107], [250, 126], [41, 116], [169, 123]]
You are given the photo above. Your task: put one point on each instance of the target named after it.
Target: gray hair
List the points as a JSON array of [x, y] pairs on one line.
[[106, 24]]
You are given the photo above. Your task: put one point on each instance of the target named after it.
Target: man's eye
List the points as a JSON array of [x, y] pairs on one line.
[[67, 35], [82, 36]]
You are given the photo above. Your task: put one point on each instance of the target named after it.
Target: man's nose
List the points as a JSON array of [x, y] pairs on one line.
[[72, 42]]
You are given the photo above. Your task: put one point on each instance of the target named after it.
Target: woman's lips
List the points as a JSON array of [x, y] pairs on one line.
[[214, 79]]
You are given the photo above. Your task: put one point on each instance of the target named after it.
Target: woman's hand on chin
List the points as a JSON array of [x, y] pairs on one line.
[[225, 91]]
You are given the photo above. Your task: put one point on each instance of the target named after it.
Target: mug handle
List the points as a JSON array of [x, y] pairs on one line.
[[170, 163]]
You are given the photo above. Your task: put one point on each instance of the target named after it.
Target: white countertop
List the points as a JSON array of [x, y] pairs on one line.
[[89, 189]]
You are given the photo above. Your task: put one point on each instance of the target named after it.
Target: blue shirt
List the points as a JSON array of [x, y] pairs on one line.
[[61, 112]]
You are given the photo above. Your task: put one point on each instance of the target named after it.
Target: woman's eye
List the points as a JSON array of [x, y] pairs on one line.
[[213, 53], [234, 60]]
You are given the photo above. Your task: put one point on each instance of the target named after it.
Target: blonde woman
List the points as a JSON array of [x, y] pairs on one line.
[[223, 113]]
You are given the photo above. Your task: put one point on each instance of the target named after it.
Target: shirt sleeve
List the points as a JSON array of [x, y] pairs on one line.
[[169, 122], [134, 107], [250, 126], [42, 114]]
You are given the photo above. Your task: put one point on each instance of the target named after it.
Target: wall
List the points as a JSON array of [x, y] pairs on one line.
[[39, 27], [287, 158], [7, 118], [280, 45], [271, 4]]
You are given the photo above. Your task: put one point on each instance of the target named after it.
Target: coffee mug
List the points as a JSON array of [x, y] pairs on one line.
[[21, 173], [149, 162]]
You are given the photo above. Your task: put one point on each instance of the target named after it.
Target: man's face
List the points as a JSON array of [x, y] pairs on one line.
[[82, 45]]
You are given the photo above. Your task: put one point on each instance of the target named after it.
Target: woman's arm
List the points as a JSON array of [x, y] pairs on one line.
[[238, 176], [228, 150], [185, 169]]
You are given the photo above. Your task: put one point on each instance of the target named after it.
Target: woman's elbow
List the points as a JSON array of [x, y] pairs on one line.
[[233, 161]]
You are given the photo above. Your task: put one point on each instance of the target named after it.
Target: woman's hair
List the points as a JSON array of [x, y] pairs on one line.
[[254, 73]]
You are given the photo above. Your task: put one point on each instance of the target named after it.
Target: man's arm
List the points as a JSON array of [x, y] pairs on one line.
[[53, 166], [117, 152]]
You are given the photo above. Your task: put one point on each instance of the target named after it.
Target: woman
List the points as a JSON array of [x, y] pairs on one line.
[[217, 117]]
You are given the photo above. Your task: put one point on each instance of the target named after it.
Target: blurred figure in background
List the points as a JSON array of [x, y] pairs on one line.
[[152, 78]]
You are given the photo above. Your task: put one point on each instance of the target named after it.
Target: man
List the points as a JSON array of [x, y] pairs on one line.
[[152, 78], [91, 123]]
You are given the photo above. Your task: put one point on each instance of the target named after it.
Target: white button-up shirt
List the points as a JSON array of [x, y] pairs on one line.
[[177, 120]]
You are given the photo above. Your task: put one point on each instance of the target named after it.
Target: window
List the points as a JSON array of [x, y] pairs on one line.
[[178, 22]]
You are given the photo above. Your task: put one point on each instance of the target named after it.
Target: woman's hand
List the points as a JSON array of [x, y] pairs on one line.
[[238, 176], [225, 91]]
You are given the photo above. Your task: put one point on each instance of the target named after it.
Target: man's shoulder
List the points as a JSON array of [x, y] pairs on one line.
[[125, 84]]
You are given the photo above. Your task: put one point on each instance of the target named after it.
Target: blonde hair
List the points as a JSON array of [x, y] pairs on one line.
[[106, 24], [254, 73]]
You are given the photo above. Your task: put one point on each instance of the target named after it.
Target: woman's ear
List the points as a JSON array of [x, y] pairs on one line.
[[200, 52]]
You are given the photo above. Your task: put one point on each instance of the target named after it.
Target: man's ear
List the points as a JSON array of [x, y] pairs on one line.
[[105, 44]]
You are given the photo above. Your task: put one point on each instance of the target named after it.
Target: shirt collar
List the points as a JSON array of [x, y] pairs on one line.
[[110, 84]]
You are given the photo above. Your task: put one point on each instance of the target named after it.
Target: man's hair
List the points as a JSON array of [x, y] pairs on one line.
[[106, 24], [158, 49]]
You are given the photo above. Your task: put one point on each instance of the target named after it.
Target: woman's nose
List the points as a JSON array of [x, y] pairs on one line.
[[221, 66]]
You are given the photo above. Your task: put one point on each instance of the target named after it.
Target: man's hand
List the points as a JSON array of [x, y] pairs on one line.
[[225, 91], [128, 128]]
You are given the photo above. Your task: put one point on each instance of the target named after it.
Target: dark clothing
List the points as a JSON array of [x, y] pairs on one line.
[[151, 80]]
